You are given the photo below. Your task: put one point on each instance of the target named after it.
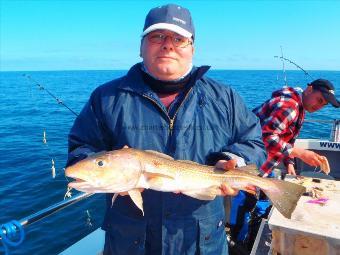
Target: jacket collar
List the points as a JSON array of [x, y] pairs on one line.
[[133, 81]]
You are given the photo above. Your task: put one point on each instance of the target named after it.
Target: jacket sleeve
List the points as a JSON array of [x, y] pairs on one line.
[[284, 113], [88, 134], [246, 141]]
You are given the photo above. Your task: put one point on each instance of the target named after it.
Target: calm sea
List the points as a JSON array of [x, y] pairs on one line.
[[26, 183]]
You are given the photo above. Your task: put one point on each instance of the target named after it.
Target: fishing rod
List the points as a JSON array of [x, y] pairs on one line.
[[283, 67], [292, 62], [335, 122], [320, 121], [9, 231], [48, 92]]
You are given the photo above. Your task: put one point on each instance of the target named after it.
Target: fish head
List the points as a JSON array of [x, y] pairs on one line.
[[106, 172]]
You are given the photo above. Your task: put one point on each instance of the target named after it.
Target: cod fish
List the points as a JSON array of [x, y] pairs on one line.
[[129, 170]]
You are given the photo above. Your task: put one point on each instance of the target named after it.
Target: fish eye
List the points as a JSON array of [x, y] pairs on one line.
[[100, 163]]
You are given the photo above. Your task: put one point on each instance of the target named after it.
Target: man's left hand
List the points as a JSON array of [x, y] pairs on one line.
[[227, 165]]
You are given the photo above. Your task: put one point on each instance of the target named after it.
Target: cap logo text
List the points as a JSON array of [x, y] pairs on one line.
[[179, 20]]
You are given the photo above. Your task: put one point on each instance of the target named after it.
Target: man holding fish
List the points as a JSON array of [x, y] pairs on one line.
[[166, 105]]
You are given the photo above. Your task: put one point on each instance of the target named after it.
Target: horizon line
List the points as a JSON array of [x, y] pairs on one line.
[[212, 69]]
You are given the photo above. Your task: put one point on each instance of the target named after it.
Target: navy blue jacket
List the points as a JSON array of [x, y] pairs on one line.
[[209, 117]]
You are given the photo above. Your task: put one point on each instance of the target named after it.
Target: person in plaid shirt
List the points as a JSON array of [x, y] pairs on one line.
[[281, 119]]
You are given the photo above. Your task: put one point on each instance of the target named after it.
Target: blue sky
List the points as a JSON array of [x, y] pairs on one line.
[[105, 35]]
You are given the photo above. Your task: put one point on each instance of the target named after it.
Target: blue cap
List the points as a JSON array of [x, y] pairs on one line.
[[170, 17]]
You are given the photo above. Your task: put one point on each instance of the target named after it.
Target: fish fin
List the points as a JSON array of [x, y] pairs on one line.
[[114, 198], [136, 197], [160, 154], [150, 175], [250, 169], [203, 194], [161, 183], [285, 196], [156, 183], [189, 162]]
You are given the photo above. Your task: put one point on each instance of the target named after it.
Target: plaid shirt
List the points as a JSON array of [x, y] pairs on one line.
[[281, 119]]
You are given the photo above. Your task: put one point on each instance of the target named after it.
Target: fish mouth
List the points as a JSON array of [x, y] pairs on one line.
[[76, 175], [76, 182], [81, 185], [89, 187]]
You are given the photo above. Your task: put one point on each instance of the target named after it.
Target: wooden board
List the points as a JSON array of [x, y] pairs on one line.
[[313, 228]]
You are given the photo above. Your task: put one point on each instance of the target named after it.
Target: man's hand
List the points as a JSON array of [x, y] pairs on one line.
[[227, 165], [311, 158], [307, 156], [291, 169]]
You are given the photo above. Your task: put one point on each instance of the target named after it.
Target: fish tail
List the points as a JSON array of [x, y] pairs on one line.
[[284, 196]]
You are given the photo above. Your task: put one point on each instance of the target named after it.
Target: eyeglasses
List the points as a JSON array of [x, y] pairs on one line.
[[177, 40]]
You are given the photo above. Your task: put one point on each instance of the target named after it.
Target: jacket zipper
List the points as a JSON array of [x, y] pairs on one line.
[[171, 126], [171, 120], [156, 103]]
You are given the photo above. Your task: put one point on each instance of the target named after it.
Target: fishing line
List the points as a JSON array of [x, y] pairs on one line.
[[292, 62], [44, 140], [49, 93]]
